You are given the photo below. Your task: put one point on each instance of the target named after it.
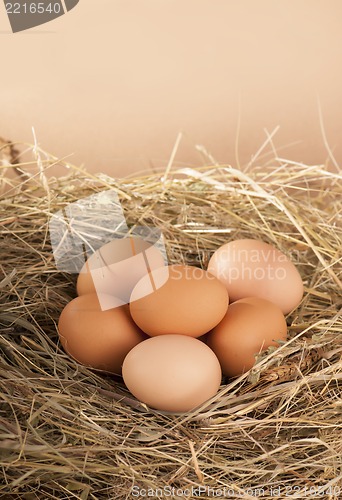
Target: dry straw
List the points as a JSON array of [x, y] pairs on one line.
[[276, 432]]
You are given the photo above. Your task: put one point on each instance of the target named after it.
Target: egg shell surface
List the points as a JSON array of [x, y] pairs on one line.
[[178, 299], [95, 338], [250, 326], [172, 372], [115, 268], [253, 268]]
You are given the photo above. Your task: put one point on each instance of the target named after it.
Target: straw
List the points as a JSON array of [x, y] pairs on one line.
[[275, 432]]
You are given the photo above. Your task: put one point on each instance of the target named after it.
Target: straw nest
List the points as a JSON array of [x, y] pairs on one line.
[[275, 432]]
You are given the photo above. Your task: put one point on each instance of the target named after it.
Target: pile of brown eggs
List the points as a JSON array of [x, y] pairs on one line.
[[172, 331]]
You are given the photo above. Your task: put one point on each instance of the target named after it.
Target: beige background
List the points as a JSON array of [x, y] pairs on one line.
[[113, 82]]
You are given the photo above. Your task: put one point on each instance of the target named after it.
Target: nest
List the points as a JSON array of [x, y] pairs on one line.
[[275, 432]]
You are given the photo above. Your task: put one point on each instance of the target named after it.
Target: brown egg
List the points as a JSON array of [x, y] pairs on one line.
[[95, 338], [252, 268], [250, 326], [172, 372], [115, 268], [178, 299]]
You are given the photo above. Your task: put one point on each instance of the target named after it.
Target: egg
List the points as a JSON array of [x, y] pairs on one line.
[[95, 338], [178, 299], [253, 268], [250, 326], [115, 268], [172, 372]]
